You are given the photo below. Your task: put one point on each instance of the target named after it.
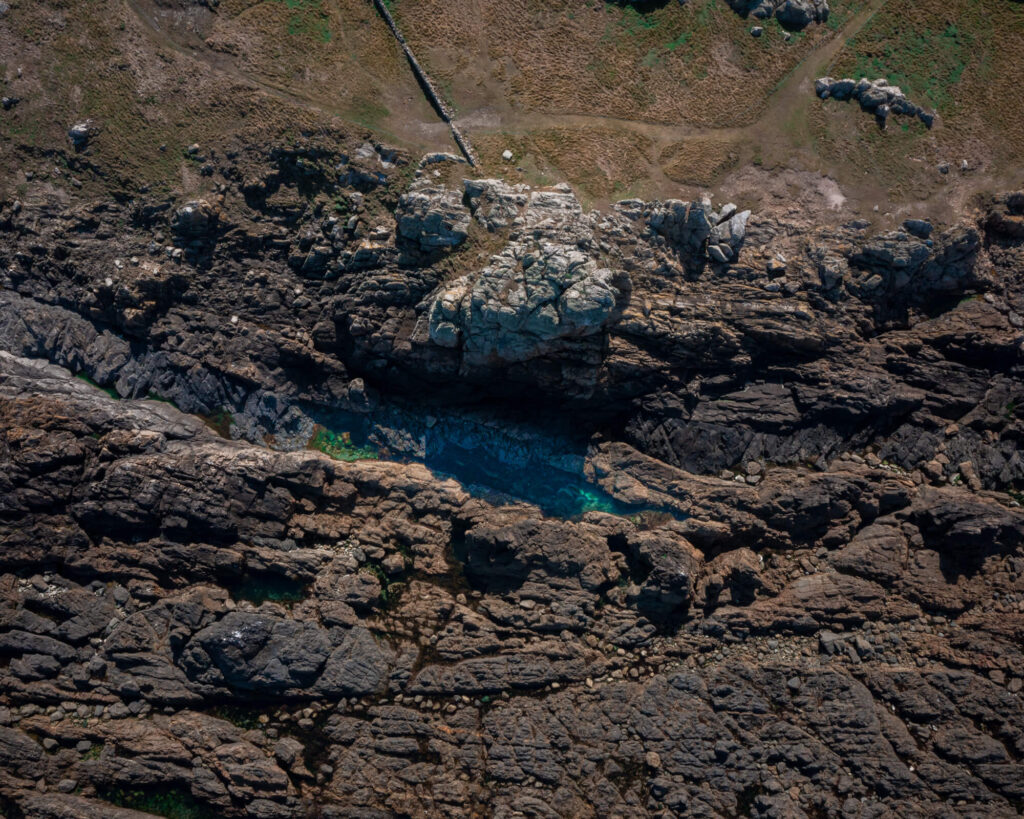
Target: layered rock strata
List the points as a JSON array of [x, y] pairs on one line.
[[822, 617]]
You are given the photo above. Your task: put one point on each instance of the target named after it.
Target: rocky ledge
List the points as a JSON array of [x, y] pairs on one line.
[[254, 633], [808, 600]]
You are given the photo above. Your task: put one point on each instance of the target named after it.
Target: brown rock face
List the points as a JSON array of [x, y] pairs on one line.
[[202, 621], [791, 584]]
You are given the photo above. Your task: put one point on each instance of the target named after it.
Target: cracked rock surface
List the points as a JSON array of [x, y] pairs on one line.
[[863, 656], [806, 600]]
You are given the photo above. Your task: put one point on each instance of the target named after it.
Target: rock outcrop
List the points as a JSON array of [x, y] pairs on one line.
[[876, 97], [799, 590], [546, 286], [793, 15], [824, 642]]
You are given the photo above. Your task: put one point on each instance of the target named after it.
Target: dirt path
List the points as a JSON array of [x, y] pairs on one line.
[[793, 93]]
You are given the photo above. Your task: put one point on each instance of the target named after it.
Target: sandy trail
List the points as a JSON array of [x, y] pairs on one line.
[[793, 93]]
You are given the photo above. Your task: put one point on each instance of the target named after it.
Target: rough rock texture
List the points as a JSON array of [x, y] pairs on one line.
[[545, 286], [812, 604], [794, 15], [432, 219], [864, 653], [877, 97]]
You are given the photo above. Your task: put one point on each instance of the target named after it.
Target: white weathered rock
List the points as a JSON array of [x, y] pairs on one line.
[[433, 218], [80, 133], [541, 291], [494, 203]]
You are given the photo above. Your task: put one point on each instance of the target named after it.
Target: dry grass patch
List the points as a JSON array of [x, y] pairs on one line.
[[147, 100], [694, 63], [603, 165], [152, 88], [699, 161], [335, 53]]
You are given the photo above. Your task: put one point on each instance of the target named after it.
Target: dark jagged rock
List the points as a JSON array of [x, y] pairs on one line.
[[806, 597], [564, 670]]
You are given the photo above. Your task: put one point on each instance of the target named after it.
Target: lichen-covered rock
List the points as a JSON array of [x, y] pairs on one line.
[[877, 97], [432, 218], [539, 294], [729, 233], [495, 203]]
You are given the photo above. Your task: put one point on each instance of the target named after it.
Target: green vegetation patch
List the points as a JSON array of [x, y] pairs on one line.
[[155, 396], [247, 719], [925, 62], [83, 376], [634, 22], [369, 113], [308, 19], [339, 446], [390, 592], [94, 752], [220, 422]]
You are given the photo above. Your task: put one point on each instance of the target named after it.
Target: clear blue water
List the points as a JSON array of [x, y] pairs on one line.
[[558, 493], [536, 467], [258, 588]]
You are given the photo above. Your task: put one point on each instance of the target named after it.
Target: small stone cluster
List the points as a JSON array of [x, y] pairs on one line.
[[877, 97], [793, 15], [698, 231]]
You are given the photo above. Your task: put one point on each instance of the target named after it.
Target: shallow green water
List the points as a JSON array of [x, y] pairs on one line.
[[488, 463], [259, 588], [558, 493], [82, 376]]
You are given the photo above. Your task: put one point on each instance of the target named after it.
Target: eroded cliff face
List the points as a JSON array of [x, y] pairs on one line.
[[318, 278], [822, 617]]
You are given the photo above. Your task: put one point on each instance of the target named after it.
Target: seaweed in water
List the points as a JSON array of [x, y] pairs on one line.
[[259, 588], [339, 446], [172, 803]]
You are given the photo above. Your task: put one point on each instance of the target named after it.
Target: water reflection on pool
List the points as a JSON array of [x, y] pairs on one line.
[[499, 463]]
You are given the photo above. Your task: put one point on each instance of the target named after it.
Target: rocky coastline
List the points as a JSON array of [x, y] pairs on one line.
[[796, 590]]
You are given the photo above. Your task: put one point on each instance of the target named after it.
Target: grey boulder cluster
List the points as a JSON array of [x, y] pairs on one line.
[[699, 231], [547, 284], [876, 97], [793, 15]]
